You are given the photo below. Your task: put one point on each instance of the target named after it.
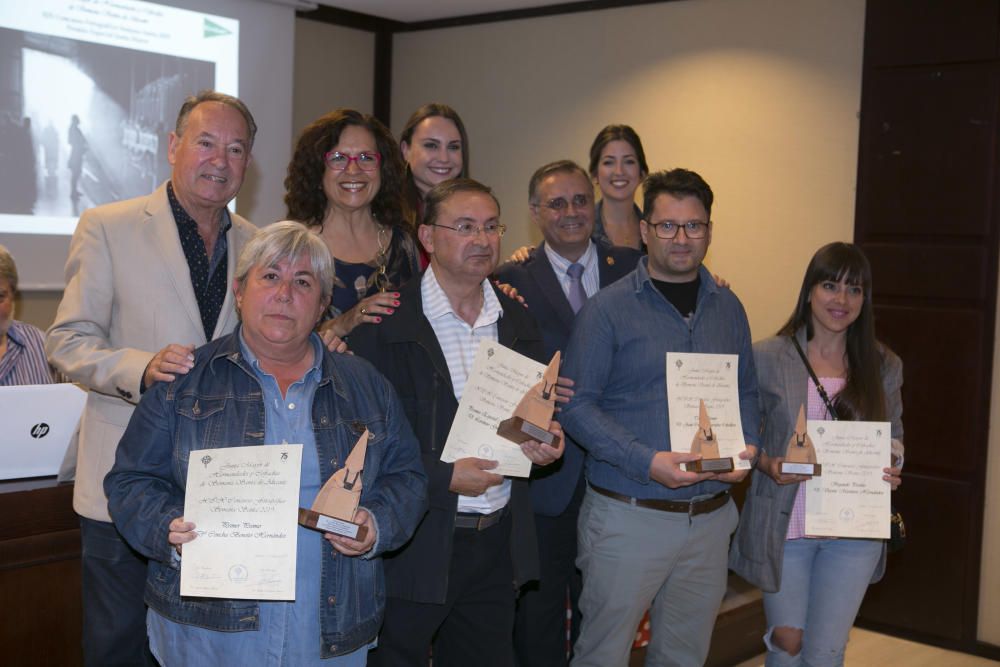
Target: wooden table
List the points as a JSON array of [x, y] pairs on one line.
[[39, 573]]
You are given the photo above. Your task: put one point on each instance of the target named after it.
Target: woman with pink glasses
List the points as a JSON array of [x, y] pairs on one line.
[[345, 181]]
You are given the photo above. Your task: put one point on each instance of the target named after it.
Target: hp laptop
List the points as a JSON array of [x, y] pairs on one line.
[[37, 423]]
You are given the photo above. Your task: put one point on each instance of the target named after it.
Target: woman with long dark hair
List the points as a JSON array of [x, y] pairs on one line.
[[345, 181], [813, 587], [618, 166], [435, 148]]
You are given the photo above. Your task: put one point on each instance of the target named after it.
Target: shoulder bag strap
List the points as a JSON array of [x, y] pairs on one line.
[[812, 374]]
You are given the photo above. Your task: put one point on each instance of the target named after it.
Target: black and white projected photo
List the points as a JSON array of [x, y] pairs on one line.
[[91, 121], [89, 92]]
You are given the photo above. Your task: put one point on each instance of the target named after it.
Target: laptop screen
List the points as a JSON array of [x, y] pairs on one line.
[[37, 423]]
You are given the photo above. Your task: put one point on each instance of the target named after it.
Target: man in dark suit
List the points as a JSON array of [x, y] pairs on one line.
[[558, 277]]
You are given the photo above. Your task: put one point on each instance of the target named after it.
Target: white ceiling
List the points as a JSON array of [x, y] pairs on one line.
[[427, 10]]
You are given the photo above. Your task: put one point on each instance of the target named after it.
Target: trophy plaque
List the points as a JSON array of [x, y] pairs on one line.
[[337, 502], [800, 457], [704, 443], [534, 413]]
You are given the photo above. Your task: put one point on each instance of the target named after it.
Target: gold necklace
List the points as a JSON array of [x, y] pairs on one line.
[[381, 279]]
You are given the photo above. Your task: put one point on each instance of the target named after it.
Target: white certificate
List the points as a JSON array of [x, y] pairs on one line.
[[499, 379], [244, 502], [713, 378], [850, 499]]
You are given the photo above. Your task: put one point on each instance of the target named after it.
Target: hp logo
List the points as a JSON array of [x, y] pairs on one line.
[[40, 430]]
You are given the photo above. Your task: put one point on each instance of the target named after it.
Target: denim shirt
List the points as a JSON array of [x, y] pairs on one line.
[[617, 357], [289, 630], [219, 403]]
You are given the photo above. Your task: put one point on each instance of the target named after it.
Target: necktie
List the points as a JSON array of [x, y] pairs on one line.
[[577, 295]]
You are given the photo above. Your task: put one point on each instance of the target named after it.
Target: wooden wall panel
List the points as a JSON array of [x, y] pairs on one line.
[[927, 215], [923, 337], [928, 272], [928, 163], [930, 31], [926, 573]]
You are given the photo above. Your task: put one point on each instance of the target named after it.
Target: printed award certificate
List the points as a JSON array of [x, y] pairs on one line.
[[244, 502], [499, 379], [700, 385], [851, 499]]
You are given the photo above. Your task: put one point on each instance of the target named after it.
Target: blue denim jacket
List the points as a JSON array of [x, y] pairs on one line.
[[617, 357], [219, 404]]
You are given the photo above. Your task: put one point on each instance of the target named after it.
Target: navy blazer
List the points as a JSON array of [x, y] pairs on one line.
[[552, 487]]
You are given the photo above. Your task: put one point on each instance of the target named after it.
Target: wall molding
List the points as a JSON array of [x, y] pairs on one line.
[[385, 30]]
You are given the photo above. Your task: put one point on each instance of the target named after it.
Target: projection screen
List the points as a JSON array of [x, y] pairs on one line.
[[90, 91]]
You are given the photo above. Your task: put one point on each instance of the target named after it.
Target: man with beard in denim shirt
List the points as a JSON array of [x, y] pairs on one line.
[[649, 531]]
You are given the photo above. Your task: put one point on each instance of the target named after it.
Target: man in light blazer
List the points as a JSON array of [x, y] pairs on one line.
[[561, 200], [147, 280]]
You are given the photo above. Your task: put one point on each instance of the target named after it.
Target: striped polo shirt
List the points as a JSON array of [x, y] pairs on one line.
[[24, 362], [459, 343]]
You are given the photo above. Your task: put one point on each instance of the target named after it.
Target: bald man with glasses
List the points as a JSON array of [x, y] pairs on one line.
[[453, 585]]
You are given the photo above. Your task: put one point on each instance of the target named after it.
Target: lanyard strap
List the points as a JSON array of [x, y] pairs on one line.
[[812, 374]]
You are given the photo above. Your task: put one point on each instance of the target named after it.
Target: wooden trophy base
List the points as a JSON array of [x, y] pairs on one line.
[[710, 465], [812, 469], [516, 429], [329, 524]]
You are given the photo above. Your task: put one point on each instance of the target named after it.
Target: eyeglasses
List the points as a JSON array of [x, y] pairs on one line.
[[668, 230], [559, 204], [340, 161], [470, 229]]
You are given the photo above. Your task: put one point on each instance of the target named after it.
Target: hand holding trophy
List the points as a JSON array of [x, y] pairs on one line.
[[800, 457], [534, 413], [337, 502]]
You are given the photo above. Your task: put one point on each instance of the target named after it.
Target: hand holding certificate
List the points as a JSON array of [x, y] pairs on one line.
[[244, 504], [851, 499], [704, 404], [499, 380]]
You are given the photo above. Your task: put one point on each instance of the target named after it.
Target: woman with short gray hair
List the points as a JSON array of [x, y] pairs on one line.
[[271, 381], [287, 240]]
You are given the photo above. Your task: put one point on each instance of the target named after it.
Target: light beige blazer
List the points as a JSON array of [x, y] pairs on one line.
[[128, 295]]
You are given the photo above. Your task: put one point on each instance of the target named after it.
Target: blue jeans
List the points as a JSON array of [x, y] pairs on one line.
[[114, 615], [822, 584], [200, 647]]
